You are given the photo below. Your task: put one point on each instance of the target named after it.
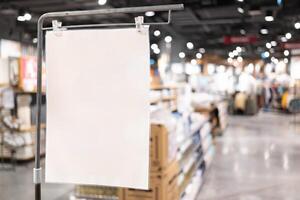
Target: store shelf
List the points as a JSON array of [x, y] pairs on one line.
[[4, 85], [194, 129], [20, 91], [198, 177], [164, 87], [32, 128], [206, 144], [6, 155], [189, 175], [164, 99], [192, 149]]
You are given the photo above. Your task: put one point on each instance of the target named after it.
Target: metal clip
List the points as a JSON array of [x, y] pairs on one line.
[[139, 21], [57, 27], [37, 175]]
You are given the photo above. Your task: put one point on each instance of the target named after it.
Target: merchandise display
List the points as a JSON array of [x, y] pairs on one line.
[[17, 114], [216, 106]]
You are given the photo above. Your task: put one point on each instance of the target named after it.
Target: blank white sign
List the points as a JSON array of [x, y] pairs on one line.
[[98, 107]]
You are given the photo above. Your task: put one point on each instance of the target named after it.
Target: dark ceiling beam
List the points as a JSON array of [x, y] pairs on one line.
[[196, 18], [221, 21]]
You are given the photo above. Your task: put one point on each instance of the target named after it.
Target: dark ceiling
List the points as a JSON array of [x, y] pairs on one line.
[[203, 22]]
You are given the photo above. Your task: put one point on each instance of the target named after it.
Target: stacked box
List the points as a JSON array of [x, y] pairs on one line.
[[163, 174], [162, 149], [163, 186], [97, 192]]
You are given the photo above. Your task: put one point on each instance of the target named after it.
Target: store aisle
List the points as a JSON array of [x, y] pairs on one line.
[[258, 158]]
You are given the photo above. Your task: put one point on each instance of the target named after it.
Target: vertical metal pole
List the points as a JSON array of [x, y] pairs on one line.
[[37, 175]]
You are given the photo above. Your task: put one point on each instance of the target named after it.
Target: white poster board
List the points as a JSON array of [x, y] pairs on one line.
[[98, 107]]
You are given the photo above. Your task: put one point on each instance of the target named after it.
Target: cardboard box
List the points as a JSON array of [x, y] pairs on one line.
[[161, 153], [90, 191], [163, 186]]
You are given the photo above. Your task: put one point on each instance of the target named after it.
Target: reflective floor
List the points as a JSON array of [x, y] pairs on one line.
[[258, 158], [17, 185]]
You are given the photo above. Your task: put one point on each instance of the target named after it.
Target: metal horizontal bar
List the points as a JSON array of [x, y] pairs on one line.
[[114, 10], [110, 25], [103, 25]]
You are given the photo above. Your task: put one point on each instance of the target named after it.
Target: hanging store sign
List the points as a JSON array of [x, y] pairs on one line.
[[291, 45], [239, 39], [98, 107]]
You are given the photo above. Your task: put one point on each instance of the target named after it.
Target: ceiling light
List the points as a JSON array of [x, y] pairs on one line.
[[168, 39], [240, 0], [27, 16], [34, 40], [156, 51], [190, 45], [286, 52], [181, 55], [288, 36], [274, 43], [150, 13], [202, 50], [242, 31], [156, 33], [240, 10], [229, 60], [266, 54], [239, 49], [154, 46], [264, 31], [269, 16], [235, 52], [269, 45], [198, 55], [194, 62], [21, 18], [102, 2], [283, 39], [286, 61], [240, 59], [297, 25], [231, 54]]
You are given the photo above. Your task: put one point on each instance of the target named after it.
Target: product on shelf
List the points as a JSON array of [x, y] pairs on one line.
[[21, 144]]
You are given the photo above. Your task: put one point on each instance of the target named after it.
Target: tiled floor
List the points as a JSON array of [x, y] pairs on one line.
[[258, 158]]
